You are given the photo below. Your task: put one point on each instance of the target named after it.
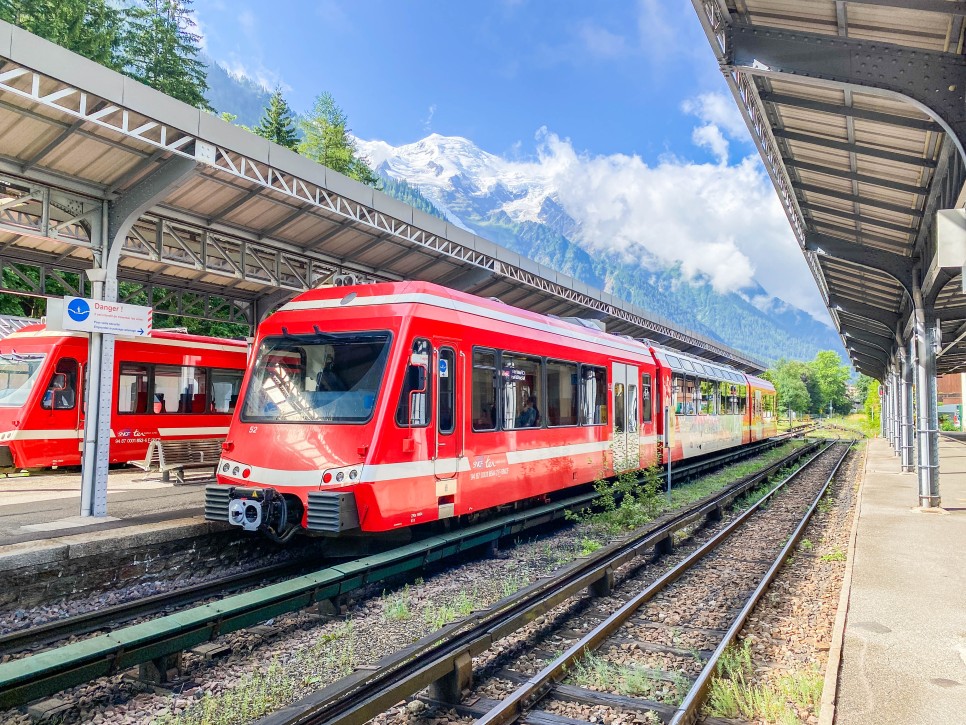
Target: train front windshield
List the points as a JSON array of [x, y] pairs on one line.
[[18, 374], [322, 378]]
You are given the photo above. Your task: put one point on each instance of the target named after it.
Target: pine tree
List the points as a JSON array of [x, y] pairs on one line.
[[92, 28], [161, 51], [326, 139], [277, 122]]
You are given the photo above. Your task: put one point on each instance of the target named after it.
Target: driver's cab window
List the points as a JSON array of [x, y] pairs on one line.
[[61, 391], [414, 399]]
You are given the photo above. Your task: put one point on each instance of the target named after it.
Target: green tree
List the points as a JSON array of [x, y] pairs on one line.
[[92, 28], [869, 394], [831, 383], [789, 378], [277, 123], [161, 51], [326, 139]]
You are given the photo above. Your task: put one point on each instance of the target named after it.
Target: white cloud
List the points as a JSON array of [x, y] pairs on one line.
[[266, 78], [711, 138], [601, 42], [428, 121], [721, 222], [717, 109]]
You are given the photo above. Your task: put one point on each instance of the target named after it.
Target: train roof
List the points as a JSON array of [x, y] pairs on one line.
[[41, 330], [690, 365], [415, 292]]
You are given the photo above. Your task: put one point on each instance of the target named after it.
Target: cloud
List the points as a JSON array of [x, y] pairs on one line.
[[711, 138], [268, 79], [601, 42], [717, 109], [719, 222], [428, 121]]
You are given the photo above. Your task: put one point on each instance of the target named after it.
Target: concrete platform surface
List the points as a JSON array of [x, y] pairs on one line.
[[904, 657], [45, 506]]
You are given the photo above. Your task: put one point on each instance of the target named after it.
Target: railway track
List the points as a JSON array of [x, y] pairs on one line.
[[107, 618], [28, 677], [658, 638]]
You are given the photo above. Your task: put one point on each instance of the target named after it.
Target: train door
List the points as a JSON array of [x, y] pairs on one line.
[[649, 416], [449, 429], [756, 418], [626, 424], [62, 412]]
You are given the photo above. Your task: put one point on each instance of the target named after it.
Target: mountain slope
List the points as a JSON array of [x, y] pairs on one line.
[[514, 205]]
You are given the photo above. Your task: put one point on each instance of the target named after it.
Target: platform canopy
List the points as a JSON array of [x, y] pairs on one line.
[[215, 221], [857, 108]]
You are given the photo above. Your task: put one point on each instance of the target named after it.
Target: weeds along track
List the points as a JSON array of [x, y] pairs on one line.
[[615, 637]]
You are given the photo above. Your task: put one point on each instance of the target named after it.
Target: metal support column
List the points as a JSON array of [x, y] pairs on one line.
[[927, 407], [887, 408], [906, 427], [897, 408], [119, 217]]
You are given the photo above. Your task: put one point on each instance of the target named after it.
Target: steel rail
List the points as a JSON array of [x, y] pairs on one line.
[[535, 688], [88, 622], [46, 673], [688, 709], [366, 693]]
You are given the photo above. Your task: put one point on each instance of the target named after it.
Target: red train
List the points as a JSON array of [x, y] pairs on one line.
[[168, 385], [373, 407]]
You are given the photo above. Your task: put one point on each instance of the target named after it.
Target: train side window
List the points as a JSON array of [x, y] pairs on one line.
[[690, 396], [447, 389], [646, 396], [707, 398], [416, 396], [225, 386], [632, 409], [743, 399], [61, 391], [484, 389], [562, 393], [521, 379], [132, 388], [593, 395], [193, 395], [167, 388], [677, 387], [619, 407]]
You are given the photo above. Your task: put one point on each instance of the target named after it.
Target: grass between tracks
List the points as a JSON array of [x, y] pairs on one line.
[[283, 679], [625, 504], [782, 701]]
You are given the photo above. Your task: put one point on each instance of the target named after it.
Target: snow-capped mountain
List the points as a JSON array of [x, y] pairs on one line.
[[517, 205]]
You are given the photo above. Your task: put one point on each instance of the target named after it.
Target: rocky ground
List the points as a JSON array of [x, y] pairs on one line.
[[789, 633], [299, 653]]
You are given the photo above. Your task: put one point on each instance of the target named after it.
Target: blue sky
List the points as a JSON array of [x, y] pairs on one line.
[[610, 76], [622, 98]]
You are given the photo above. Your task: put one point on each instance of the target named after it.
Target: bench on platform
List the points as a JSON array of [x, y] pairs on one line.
[[179, 455]]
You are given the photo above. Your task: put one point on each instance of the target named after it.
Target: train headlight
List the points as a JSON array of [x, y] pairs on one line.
[[353, 474], [235, 470], [226, 468], [339, 477]]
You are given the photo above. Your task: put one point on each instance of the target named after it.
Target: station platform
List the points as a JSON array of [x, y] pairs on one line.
[[903, 658], [47, 506]]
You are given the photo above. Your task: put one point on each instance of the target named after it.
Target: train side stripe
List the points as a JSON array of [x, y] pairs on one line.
[[212, 431], [38, 435]]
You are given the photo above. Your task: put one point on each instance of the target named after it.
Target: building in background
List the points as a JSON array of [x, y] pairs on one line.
[[949, 391]]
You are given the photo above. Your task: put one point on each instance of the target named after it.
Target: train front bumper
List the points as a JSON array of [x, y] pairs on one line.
[[328, 512]]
